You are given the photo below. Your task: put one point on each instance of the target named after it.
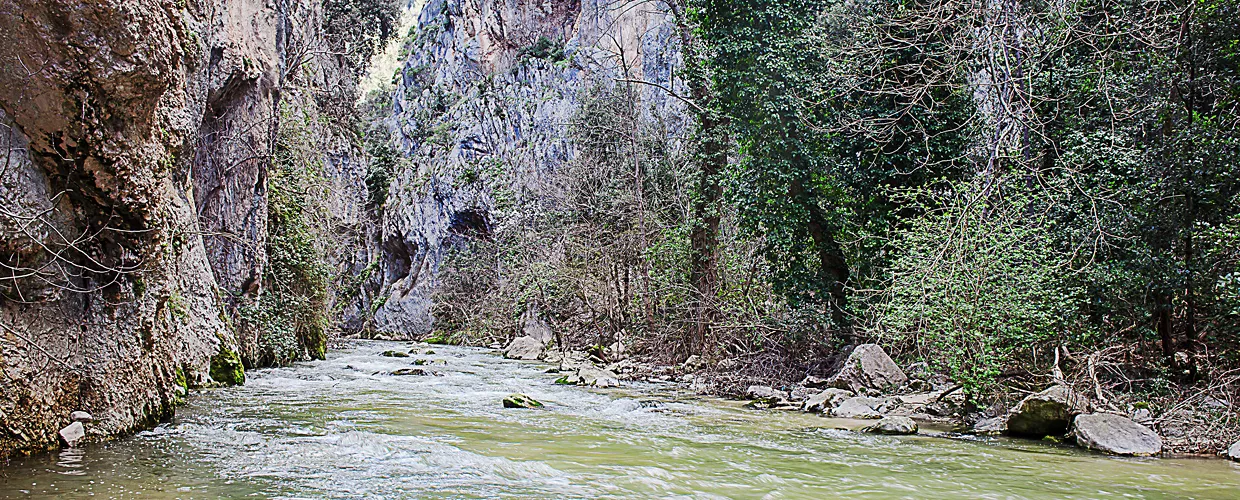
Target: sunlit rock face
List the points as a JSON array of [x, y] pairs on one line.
[[483, 106]]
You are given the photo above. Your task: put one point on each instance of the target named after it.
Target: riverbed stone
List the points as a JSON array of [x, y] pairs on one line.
[[864, 407], [73, 434], [1115, 434], [1046, 413], [893, 426], [868, 367], [1234, 452], [826, 400], [521, 401], [526, 348], [81, 416], [990, 426]]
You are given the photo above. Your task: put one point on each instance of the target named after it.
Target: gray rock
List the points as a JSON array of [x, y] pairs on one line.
[[596, 377], [1046, 413], [765, 394], [824, 401], [868, 366], [521, 401], [526, 348], [1115, 434], [1234, 452], [893, 426], [73, 434], [81, 416], [990, 426], [864, 407]]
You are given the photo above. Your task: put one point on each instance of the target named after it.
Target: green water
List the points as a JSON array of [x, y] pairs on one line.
[[337, 429]]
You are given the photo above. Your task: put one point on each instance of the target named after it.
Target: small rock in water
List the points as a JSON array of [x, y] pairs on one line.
[[864, 407], [1234, 452], [1115, 434], [414, 371], [893, 426], [521, 401], [990, 426], [395, 354], [824, 401], [81, 416], [73, 434]]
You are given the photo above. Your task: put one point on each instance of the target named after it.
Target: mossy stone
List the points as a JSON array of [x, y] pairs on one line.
[[226, 368]]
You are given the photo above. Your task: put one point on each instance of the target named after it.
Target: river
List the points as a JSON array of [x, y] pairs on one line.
[[344, 428]]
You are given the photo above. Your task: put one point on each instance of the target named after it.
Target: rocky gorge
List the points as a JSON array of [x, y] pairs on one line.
[[193, 190]]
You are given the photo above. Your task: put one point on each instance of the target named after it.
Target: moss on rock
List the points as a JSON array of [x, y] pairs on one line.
[[226, 368]]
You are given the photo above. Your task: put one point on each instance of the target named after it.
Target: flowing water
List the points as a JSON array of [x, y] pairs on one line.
[[343, 428]]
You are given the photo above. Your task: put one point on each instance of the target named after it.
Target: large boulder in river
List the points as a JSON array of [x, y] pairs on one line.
[[868, 367], [1115, 434], [527, 348], [865, 407], [1046, 413], [826, 400], [893, 426]]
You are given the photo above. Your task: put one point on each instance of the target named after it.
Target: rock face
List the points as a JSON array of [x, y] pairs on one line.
[[825, 401], [868, 367], [1115, 434], [1046, 413], [524, 348], [864, 407], [485, 120], [893, 426], [134, 135]]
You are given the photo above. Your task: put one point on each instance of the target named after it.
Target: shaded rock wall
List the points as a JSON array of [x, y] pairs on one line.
[[483, 106], [135, 137]]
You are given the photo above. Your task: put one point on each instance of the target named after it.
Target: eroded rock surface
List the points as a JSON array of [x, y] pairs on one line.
[[868, 367], [1115, 434]]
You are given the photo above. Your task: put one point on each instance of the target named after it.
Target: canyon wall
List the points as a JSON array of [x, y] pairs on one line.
[[483, 106]]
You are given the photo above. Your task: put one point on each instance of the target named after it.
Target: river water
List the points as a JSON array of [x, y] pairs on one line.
[[343, 428]]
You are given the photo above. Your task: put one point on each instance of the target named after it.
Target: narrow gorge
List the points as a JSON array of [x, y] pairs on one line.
[[633, 249]]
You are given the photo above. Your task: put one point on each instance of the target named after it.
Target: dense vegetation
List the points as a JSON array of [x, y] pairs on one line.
[[1009, 191]]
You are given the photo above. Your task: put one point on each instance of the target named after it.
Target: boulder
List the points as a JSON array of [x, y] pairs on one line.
[[824, 401], [1115, 434], [990, 426], [765, 393], [596, 377], [527, 348], [73, 434], [893, 426], [591, 376], [1046, 413], [1234, 452], [521, 401], [81, 416], [864, 407], [868, 367]]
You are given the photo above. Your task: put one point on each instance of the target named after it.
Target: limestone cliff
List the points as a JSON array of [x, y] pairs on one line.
[[482, 106], [137, 136]]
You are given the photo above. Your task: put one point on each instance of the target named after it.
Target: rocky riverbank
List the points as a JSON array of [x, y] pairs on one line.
[[869, 385]]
